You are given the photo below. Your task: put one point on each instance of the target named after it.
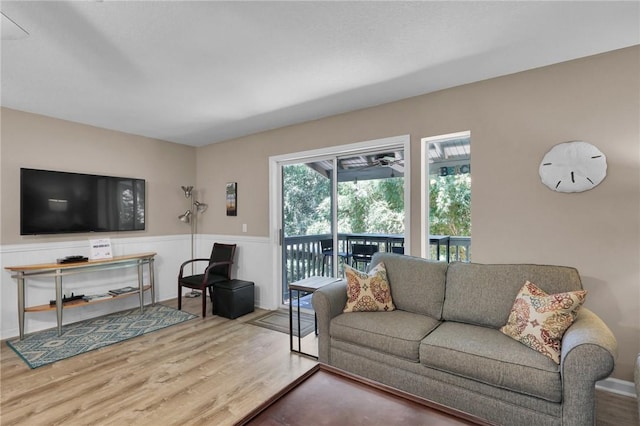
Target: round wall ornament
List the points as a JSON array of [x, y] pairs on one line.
[[573, 167]]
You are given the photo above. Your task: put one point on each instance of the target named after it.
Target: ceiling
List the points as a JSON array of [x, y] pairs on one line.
[[371, 165], [201, 72]]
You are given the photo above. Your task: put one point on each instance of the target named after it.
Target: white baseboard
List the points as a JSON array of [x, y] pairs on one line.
[[620, 387]]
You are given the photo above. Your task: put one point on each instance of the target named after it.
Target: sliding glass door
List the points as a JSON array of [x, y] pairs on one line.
[[332, 206], [370, 204], [307, 221]]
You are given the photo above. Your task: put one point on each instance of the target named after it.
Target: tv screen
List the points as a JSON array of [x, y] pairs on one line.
[[59, 202]]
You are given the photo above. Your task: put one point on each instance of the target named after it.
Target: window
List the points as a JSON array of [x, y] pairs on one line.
[[447, 197]]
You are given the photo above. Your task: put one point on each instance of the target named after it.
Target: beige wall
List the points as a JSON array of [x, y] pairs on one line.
[[514, 121], [35, 141]]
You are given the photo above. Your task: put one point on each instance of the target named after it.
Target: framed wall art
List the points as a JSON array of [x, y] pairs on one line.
[[232, 198]]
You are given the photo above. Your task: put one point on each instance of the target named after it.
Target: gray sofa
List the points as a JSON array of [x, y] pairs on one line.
[[443, 342]]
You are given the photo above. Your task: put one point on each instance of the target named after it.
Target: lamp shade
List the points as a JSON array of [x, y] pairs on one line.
[[185, 217], [200, 207], [187, 191]]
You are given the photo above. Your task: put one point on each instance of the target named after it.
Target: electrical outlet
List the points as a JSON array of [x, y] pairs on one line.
[[244, 227]]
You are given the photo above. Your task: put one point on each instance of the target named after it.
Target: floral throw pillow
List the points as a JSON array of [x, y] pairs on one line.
[[368, 292], [539, 320]]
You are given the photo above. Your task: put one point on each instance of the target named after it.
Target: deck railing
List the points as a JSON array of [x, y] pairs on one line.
[[304, 256]]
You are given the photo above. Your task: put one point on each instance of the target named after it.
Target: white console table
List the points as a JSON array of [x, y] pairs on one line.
[[58, 270]]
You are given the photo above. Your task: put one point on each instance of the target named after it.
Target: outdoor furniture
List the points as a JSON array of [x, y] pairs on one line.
[[326, 246], [362, 253], [438, 241], [218, 269]]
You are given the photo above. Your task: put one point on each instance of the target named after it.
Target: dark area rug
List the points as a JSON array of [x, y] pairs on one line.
[[45, 347], [279, 321]]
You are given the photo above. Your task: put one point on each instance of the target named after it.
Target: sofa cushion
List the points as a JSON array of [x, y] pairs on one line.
[[397, 333], [368, 292], [539, 320], [488, 356], [484, 294], [417, 285]]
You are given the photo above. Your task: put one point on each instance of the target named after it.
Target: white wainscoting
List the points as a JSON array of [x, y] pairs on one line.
[[253, 264]]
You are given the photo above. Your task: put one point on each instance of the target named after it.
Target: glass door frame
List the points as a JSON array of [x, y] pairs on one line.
[[328, 158], [276, 234]]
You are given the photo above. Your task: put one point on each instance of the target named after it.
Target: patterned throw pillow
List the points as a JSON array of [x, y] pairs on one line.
[[368, 292], [539, 320]]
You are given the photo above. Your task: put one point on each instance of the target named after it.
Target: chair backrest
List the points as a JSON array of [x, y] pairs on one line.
[[221, 253], [326, 245], [363, 250], [397, 250]]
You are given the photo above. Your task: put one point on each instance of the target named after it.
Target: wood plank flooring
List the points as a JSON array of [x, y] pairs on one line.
[[616, 410], [212, 371]]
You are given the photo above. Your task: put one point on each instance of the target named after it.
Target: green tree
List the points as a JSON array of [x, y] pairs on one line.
[[450, 205], [372, 206], [304, 192]]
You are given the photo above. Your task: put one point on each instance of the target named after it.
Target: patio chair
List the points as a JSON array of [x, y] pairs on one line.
[[326, 246], [362, 253], [218, 270]]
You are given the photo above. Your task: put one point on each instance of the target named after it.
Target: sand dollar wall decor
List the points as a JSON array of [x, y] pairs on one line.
[[573, 167]]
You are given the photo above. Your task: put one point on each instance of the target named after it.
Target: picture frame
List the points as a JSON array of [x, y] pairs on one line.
[[232, 198]]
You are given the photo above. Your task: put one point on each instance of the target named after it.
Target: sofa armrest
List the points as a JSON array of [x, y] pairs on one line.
[[589, 350], [328, 302]]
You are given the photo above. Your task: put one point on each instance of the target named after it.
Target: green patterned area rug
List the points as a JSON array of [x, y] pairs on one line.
[[279, 321], [45, 347]]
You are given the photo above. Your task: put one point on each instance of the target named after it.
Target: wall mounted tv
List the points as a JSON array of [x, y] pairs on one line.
[[59, 203]]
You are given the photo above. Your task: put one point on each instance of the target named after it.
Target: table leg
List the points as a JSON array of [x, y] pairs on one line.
[[20, 278], [299, 334], [290, 320], [140, 286], [152, 282], [59, 300]]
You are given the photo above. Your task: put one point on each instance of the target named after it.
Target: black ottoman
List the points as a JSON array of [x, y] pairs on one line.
[[233, 298]]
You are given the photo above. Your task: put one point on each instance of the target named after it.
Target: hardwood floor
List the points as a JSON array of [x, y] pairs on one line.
[[616, 410], [212, 371]]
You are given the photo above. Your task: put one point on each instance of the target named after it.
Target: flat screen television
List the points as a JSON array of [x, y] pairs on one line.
[[54, 202]]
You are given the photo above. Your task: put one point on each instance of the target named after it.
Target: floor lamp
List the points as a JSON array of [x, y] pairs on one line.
[[191, 217]]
